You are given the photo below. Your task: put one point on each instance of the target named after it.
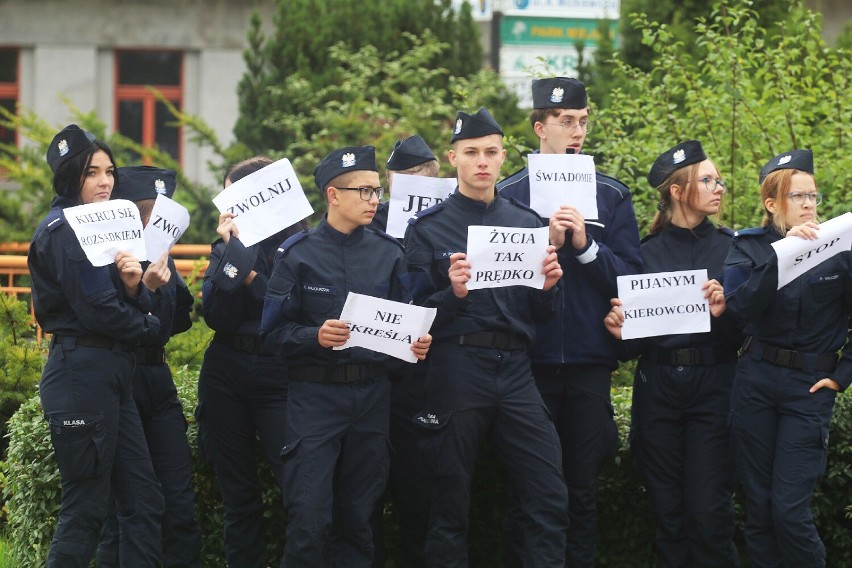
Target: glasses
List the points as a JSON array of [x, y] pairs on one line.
[[571, 125], [713, 184], [367, 193], [799, 198]]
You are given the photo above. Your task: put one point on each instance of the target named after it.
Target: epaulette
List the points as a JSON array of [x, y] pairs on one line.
[[752, 232], [520, 205], [426, 212], [288, 244], [386, 236], [55, 218], [510, 179], [726, 231], [648, 237], [618, 185]]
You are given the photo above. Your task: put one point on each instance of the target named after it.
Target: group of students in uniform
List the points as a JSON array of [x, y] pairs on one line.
[[528, 369]]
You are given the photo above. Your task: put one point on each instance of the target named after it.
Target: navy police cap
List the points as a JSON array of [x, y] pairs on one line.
[[475, 126], [673, 159], [69, 142], [559, 92], [408, 153], [344, 160], [144, 182], [802, 160]]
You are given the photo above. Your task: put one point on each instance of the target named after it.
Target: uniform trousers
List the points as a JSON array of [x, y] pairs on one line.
[[242, 397], [681, 445], [780, 435], [474, 393], [99, 444], [335, 467], [165, 432]]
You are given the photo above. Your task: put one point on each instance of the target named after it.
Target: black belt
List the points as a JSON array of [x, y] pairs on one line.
[[692, 356], [90, 341], [494, 340], [824, 362], [150, 355], [240, 342], [336, 373]]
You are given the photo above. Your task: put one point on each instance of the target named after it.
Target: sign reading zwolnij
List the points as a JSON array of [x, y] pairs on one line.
[[413, 194], [169, 219], [106, 228], [664, 303], [506, 256], [797, 255], [563, 179], [384, 325], [265, 202]]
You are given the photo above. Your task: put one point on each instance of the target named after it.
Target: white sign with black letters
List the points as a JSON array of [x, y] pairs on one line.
[[265, 202], [412, 194], [384, 325], [797, 255], [664, 303], [506, 256], [563, 179], [169, 219], [106, 228]]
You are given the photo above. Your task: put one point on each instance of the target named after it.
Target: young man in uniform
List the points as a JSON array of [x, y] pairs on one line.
[[479, 381], [573, 355], [336, 452]]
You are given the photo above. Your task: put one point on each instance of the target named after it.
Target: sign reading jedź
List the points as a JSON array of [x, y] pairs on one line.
[[413, 194]]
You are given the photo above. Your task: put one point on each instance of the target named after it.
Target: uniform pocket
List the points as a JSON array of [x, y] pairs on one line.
[[78, 441]]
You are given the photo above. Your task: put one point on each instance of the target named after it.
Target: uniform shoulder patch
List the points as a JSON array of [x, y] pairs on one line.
[[55, 219], [612, 182], [387, 237], [426, 212], [726, 231]]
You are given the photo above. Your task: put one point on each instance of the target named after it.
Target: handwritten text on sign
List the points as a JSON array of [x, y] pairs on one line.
[[265, 202], [506, 256], [169, 219], [563, 179], [412, 194], [664, 303], [107, 227], [797, 255], [385, 326]]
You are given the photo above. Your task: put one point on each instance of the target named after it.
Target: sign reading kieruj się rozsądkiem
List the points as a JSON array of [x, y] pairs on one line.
[[664, 303], [105, 228]]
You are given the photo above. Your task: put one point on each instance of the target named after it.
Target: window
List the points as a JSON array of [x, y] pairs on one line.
[[8, 89], [139, 115]]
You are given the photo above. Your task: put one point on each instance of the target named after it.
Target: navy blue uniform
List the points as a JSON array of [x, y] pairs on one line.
[[681, 399], [479, 384], [242, 393], [779, 428], [165, 431], [336, 456], [87, 395], [573, 355]]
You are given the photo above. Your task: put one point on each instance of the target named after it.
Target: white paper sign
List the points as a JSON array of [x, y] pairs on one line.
[[506, 256], [563, 179], [664, 303], [385, 326], [106, 228], [169, 219], [797, 255], [265, 202], [412, 194]]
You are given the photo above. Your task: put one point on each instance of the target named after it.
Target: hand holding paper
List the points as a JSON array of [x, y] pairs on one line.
[[801, 251]]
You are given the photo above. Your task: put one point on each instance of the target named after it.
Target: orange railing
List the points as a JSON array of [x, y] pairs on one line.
[[13, 267]]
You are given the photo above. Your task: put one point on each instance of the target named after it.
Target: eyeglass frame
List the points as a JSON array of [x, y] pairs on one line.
[[801, 197], [585, 127], [379, 192], [717, 182]]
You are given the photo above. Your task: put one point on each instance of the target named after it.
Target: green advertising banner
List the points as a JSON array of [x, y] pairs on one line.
[[521, 30]]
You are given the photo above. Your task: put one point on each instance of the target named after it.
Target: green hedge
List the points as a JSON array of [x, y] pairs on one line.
[[31, 486]]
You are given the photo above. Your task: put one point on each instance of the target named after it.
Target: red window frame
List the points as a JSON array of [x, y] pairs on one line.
[[140, 93], [13, 90]]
